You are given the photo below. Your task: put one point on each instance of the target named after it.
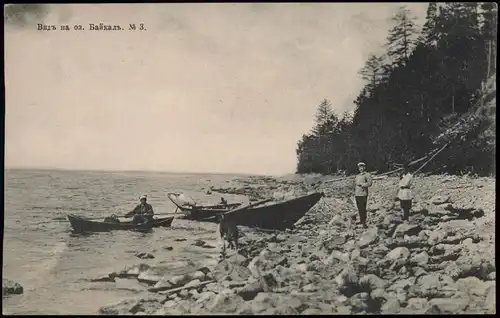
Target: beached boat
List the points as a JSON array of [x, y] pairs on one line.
[[82, 225], [192, 211], [276, 215]]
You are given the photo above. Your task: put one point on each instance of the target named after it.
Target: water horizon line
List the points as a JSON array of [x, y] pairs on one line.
[[142, 171]]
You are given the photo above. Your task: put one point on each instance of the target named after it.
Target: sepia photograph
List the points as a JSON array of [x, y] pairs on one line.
[[249, 158]]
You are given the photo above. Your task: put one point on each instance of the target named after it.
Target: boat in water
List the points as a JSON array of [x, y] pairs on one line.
[[263, 214], [81, 225]]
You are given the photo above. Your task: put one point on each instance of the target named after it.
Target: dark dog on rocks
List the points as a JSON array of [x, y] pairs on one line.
[[228, 232]]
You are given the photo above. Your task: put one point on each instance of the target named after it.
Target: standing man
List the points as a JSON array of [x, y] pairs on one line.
[[404, 194], [363, 182], [143, 212]]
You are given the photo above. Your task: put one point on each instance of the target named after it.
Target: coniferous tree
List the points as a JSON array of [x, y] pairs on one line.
[[372, 72], [400, 41], [432, 94], [429, 36], [489, 32], [323, 113]]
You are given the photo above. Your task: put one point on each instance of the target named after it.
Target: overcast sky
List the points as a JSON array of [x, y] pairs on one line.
[[206, 88]]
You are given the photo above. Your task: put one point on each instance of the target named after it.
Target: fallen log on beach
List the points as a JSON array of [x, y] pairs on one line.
[[429, 156], [164, 290], [347, 177]]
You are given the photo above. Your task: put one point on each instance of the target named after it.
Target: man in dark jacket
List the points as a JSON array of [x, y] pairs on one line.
[[143, 212]]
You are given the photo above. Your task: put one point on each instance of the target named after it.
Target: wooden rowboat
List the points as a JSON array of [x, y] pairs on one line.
[[276, 216], [192, 211], [82, 225]]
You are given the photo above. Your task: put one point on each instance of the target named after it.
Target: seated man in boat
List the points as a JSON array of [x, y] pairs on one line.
[[143, 212], [223, 201]]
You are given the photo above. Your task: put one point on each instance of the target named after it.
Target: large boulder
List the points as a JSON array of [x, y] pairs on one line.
[[490, 300], [147, 304], [10, 287], [406, 229], [472, 262], [420, 259], [177, 307], [440, 199], [333, 243], [348, 281], [391, 307], [416, 306], [447, 305], [275, 304], [399, 253], [369, 237], [433, 285], [371, 282], [224, 303]]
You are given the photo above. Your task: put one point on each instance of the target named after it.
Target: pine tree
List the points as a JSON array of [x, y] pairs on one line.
[[323, 114], [373, 71], [400, 41], [426, 93], [429, 36], [489, 33]]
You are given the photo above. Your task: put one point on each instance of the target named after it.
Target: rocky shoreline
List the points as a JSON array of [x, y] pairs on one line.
[[10, 287], [440, 262]]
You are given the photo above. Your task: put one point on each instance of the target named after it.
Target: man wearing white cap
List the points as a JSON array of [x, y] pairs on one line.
[[363, 182], [143, 212]]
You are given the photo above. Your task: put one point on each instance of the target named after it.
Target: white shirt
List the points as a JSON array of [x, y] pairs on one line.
[[405, 183]]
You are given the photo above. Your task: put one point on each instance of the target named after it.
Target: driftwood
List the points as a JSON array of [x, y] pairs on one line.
[[432, 157], [399, 169], [432, 153], [163, 290], [345, 178]]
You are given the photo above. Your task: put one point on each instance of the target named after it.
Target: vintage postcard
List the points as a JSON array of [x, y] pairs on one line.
[[249, 158]]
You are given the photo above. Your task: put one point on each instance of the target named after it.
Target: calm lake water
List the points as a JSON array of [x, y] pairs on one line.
[[51, 263]]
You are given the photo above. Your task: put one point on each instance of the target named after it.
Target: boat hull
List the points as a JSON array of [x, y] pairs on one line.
[[82, 225], [278, 216]]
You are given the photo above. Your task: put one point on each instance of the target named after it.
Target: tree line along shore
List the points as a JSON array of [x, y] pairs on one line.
[[431, 88]]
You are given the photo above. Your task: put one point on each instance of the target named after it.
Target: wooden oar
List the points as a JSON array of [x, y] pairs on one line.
[[245, 207], [251, 205]]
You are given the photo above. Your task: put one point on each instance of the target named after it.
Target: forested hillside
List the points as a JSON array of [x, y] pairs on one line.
[[434, 86]]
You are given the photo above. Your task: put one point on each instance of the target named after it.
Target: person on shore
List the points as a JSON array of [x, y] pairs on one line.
[[405, 195], [228, 232], [143, 212], [363, 182]]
